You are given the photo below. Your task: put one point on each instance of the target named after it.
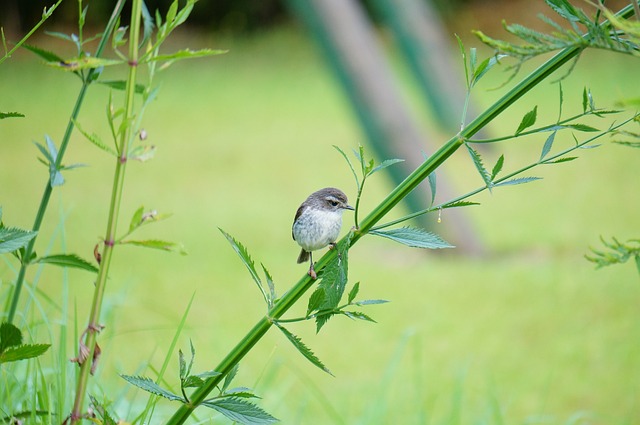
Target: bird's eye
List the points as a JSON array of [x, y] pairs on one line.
[[333, 202]]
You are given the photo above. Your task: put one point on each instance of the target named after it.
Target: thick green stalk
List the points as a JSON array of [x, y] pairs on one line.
[[44, 201], [415, 178], [114, 211]]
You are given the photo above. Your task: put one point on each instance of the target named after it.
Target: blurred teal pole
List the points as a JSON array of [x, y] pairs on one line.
[[348, 42], [421, 36]]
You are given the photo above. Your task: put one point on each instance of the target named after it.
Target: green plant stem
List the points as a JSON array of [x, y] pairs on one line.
[[45, 16], [550, 127], [114, 212], [44, 201], [402, 190]]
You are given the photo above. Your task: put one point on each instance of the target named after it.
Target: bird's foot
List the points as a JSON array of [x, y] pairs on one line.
[[312, 273]]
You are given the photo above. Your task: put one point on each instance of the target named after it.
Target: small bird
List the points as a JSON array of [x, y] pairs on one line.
[[318, 222]]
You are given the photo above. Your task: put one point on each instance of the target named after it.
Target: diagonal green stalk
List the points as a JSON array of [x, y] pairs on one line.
[[114, 212], [402, 190], [44, 201]]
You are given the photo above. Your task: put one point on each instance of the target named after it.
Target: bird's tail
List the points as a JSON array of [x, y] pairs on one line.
[[303, 257]]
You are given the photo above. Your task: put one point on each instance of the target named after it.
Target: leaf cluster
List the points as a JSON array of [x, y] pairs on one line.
[[578, 31], [230, 402], [616, 253]]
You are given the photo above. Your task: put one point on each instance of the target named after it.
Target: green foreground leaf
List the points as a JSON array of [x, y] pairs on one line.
[[148, 385], [414, 237], [22, 352], [68, 260], [239, 410], [12, 238], [303, 349]]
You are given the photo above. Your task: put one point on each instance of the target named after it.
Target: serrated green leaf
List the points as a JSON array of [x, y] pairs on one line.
[[149, 386], [230, 377], [246, 260], [432, 185], [208, 374], [585, 100], [463, 53], [186, 54], [68, 260], [95, 139], [182, 365], [528, 120], [564, 9], [370, 302], [270, 285], [520, 180], [303, 349], [10, 336], [459, 204], [477, 161], [157, 244], [22, 352], [358, 315], [384, 164], [192, 381], [136, 219], [316, 299], [582, 127], [547, 145], [4, 115], [627, 143], [12, 239], [242, 392], [44, 54], [559, 160], [334, 280], [353, 293], [346, 158], [497, 168], [413, 237], [85, 62], [241, 411], [485, 66]]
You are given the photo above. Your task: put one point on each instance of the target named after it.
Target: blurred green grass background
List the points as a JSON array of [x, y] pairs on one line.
[[528, 333]]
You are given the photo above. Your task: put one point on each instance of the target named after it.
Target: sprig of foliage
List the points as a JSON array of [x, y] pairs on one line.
[[46, 14], [231, 402], [367, 169], [583, 32], [27, 253], [496, 178], [616, 253]]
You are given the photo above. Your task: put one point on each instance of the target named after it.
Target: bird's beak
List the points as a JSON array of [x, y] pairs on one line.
[[349, 207]]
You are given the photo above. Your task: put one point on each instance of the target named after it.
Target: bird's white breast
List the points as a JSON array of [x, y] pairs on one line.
[[317, 228]]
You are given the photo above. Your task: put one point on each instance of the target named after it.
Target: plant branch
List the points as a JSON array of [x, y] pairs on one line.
[[44, 201], [505, 178], [114, 212], [45, 15]]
